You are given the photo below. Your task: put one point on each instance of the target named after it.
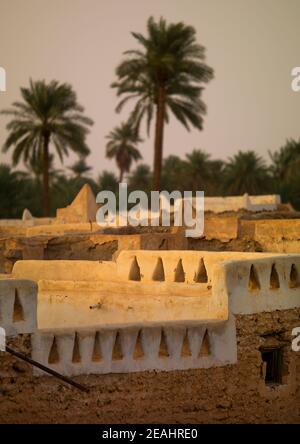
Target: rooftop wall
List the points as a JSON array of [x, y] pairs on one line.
[[64, 304], [161, 310], [223, 227], [246, 202], [278, 235], [257, 283], [134, 265], [78, 351]]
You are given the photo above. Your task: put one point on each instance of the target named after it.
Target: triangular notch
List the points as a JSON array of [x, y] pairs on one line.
[[163, 348], [159, 272], [138, 351], [53, 355], [18, 314], [253, 283], [76, 351], [186, 351], [179, 272], [294, 277], [201, 273], [117, 350], [205, 346], [274, 279], [96, 356], [135, 272]]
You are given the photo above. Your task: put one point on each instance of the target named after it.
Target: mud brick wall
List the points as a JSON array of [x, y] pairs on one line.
[[82, 246], [246, 228], [234, 393], [279, 235], [223, 227], [76, 246]]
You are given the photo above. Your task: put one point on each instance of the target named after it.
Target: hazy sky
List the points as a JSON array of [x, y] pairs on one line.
[[251, 44]]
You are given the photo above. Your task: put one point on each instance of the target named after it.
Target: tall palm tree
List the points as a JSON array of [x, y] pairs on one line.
[[35, 168], [246, 172], [122, 145], [165, 75], [48, 115]]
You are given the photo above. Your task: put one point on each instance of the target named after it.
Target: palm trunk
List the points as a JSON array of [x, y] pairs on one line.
[[46, 196], [159, 135], [121, 175]]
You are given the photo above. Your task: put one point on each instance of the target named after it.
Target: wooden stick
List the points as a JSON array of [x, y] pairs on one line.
[[47, 369]]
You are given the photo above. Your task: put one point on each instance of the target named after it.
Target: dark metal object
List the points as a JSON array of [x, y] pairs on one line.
[[47, 370]]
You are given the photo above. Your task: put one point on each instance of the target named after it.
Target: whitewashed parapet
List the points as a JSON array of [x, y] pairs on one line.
[[189, 267], [145, 265], [99, 351], [18, 306], [64, 270], [219, 204], [267, 284], [64, 304]]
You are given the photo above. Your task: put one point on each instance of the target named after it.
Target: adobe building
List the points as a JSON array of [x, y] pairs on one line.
[[156, 336]]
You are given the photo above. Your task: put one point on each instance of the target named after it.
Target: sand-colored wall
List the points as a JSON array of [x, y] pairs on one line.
[[246, 228], [223, 227], [65, 304], [62, 228], [246, 202], [64, 270], [85, 246], [280, 235], [271, 199]]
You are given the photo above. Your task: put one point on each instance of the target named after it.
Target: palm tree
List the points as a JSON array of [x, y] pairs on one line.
[[122, 146], [173, 175], [10, 197], [216, 177], [285, 169], [246, 172], [49, 114], [202, 173], [140, 179], [107, 181], [286, 161], [80, 168], [197, 169], [164, 77], [35, 168]]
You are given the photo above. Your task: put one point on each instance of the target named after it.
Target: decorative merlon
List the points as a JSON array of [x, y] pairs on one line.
[[18, 306]]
